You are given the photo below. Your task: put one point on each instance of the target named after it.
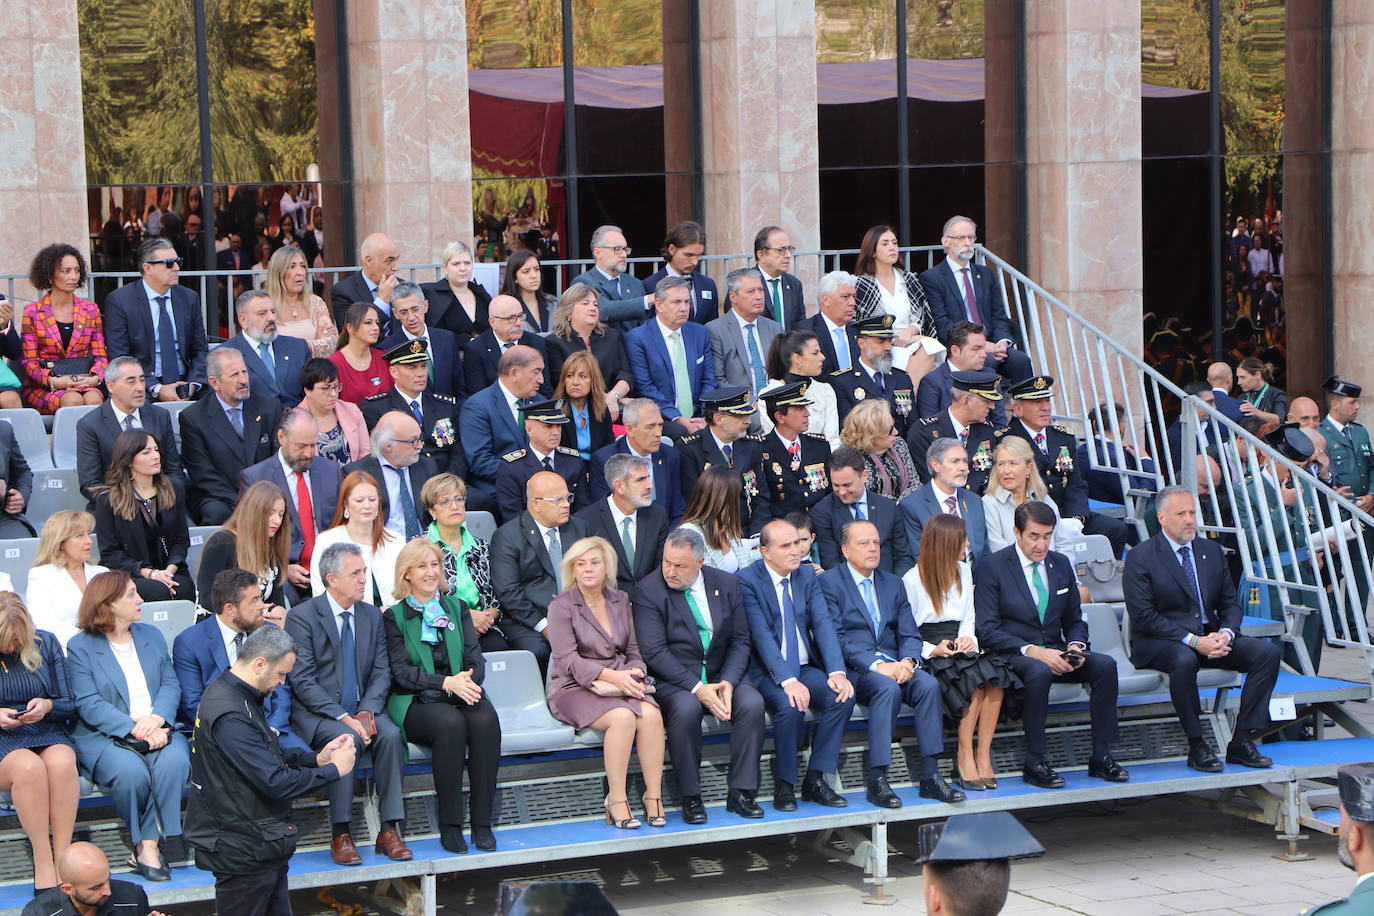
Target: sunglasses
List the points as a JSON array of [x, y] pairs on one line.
[[168, 263]]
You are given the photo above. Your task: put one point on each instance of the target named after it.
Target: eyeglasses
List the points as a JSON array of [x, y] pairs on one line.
[[329, 388], [617, 249], [963, 238], [168, 263], [416, 442], [515, 317], [785, 249], [555, 500], [448, 501]]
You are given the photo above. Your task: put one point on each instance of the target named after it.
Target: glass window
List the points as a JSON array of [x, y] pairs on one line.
[[856, 83]]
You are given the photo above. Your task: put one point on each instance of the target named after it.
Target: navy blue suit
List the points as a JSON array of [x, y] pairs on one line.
[[289, 356], [919, 507], [129, 331], [1008, 621], [325, 479], [948, 306], [769, 668], [198, 657], [667, 476], [829, 516], [936, 392], [652, 367], [895, 639], [706, 300], [447, 372], [622, 299], [488, 430], [816, 325], [1104, 485]]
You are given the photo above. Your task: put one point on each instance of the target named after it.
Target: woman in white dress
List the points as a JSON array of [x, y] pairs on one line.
[[796, 356], [973, 683], [884, 285], [1016, 478], [358, 520], [60, 573], [714, 512]]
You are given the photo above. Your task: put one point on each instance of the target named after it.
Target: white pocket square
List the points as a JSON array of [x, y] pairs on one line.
[[1061, 591]]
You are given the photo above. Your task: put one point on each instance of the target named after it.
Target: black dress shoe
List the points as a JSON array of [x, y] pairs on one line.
[[451, 838], [818, 791], [149, 872], [784, 796], [484, 839], [1108, 769], [742, 803], [693, 810], [935, 787], [1042, 776], [1201, 758], [1244, 752], [880, 794]]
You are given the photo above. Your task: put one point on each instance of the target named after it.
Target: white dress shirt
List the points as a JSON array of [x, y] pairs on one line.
[[802, 655], [958, 604], [52, 598], [512, 402], [120, 415], [157, 315], [135, 681]]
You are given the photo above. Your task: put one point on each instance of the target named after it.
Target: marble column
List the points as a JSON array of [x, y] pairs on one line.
[[1352, 163], [1083, 152], [43, 151], [758, 71], [412, 162]]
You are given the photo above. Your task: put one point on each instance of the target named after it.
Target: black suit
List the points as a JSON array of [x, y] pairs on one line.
[[325, 477], [525, 578], [936, 392], [949, 306], [97, 431], [129, 544], [982, 439], [793, 300], [129, 331], [816, 325], [1164, 609], [353, 288], [418, 474], [829, 515], [602, 433], [651, 528], [445, 311], [608, 350], [483, 353], [698, 451], [667, 476], [517, 467], [670, 642], [18, 477], [215, 454], [439, 429], [445, 355], [1008, 621]]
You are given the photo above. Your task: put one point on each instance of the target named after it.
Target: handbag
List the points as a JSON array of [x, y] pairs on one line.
[[1103, 579], [73, 365]]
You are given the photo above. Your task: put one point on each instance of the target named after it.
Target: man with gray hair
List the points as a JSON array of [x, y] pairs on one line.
[[670, 359], [274, 360], [624, 302], [492, 421], [692, 632], [127, 408], [410, 307], [643, 436], [401, 471], [224, 433], [945, 493], [340, 686], [741, 337], [629, 518], [831, 324]]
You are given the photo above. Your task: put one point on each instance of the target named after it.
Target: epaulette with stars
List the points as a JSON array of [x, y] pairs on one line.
[[570, 451], [515, 455]]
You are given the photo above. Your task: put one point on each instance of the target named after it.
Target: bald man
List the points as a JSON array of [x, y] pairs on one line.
[[87, 888], [1305, 413], [1221, 380], [374, 283], [482, 355]]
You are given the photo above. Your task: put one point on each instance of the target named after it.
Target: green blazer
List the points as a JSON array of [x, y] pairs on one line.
[[411, 659], [1360, 901], [1352, 460]]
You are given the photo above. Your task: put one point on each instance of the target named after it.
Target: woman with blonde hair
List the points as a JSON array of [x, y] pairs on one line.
[[578, 328], [870, 429], [457, 303], [1015, 479], [37, 757], [583, 393], [972, 682], [436, 696], [714, 512], [60, 572], [257, 537], [597, 677], [358, 520], [300, 313]]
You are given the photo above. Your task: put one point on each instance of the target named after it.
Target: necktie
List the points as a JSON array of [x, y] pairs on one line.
[[860, 512], [555, 549], [170, 370], [236, 417], [728, 451], [506, 346], [682, 382], [755, 358], [969, 299], [775, 286], [129, 422], [415, 412], [963, 437], [872, 605], [789, 628], [629, 540], [412, 520], [841, 348], [795, 451], [1185, 557], [548, 462], [238, 646], [348, 667], [1040, 442], [1042, 594], [616, 282], [951, 505], [702, 630], [878, 381], [265, 352], [306, 513]]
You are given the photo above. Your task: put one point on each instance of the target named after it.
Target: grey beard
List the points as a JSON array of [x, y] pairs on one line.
[[1343, 853], [883, 363], [965, 255], [261, 337]]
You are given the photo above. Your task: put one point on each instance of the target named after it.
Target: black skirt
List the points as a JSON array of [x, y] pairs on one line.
[[962, 675]]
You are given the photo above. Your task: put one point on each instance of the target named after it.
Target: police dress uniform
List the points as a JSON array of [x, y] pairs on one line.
[[857, 384], [789, 482], [517, 467], [700, 451], [438, 412], [979, 438], [1355, 783]]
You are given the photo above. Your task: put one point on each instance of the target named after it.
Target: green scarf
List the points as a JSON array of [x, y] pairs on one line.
[[461, 585], [420, 654]]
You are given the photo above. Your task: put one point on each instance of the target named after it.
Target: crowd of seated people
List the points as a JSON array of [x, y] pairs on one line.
[[702, 508]]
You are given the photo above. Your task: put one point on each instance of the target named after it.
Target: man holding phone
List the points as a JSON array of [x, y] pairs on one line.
[[1027, 606]]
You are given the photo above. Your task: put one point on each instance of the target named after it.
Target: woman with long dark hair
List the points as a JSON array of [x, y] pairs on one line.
[[523, 280], [714, 512], [362, 371], [885, 286], [796, 356]]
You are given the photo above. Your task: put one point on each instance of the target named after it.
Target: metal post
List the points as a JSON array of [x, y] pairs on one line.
[[571, 243], [210, 297]]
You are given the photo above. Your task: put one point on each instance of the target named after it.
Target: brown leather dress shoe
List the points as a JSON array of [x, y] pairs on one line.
[[344, 852], [390, 844]]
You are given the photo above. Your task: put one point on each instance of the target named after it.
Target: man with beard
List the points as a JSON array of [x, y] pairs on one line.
[[88, 889], [874, 376], [1356, 846], [274, 361]]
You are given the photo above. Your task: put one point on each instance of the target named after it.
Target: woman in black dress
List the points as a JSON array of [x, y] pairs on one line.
[[972, 682], [37, 759], [456, 303], [139, 524], [523, 280], [257, 537]]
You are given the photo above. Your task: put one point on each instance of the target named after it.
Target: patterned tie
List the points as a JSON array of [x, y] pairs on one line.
[[628, 539], [1185, 558], [129, 422], [305, 511], [1040, 442], [1042, 594], [348, 666], [789, 628], [963, 437], [702, 630], [548, 462], [969, 299], [755, 359], [170, 370], [236, 417], [682, 381], [412, 519], [951, 505], [795, 451], [728, 451], [841, 348], [872, 606], [238, 645]]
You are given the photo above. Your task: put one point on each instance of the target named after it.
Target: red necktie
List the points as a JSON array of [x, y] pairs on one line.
[[969, 299], [795, 449], [307, 517], [1040, 441]]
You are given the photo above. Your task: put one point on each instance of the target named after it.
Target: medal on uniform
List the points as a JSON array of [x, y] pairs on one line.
[[815, 477], [1064, 463], [777, 470], [903, 399], [860, 394], [982, 459], [751, 486]]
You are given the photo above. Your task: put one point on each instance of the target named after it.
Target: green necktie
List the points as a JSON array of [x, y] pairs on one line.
[[1042, 594], [702, 629], [775, 286], [681, 380], [629, 540]]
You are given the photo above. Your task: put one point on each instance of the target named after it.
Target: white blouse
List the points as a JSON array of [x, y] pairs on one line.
[[140, 700], [53, 598], [381, 564], [958, 604], [825, 411], [999, 513]]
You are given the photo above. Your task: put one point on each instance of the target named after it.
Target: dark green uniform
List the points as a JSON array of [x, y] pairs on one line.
[[1352, 465]]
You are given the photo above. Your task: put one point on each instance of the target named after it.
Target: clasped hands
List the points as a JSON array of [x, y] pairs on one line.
[[799, 697], [629, 680], [717, 699], [1213, 645]]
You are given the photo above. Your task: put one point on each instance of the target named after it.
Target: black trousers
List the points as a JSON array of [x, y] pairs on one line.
[[260, 894], [453, 734], [511, 634], [682, 715], [1258, 659], [1098, 672], [152, 590]]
